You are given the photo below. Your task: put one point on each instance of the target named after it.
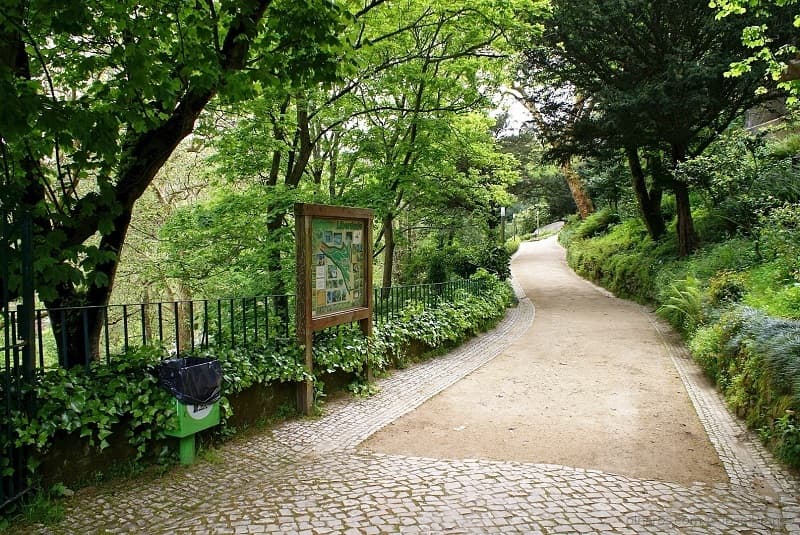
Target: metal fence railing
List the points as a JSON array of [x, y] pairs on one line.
[[176, 326], [182, 326], [16, 344], [390, 302]]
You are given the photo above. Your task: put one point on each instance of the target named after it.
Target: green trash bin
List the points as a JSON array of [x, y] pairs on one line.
[[196, 384]]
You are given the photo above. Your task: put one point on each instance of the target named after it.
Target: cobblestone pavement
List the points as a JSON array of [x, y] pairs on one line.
[[306, 477]]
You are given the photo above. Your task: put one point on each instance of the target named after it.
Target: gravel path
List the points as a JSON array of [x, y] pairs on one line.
[[590, 384]]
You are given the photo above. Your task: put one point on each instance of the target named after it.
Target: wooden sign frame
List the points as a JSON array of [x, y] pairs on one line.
[[307, 321]]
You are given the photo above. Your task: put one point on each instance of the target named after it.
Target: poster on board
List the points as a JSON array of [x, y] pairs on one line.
[[337, 265]]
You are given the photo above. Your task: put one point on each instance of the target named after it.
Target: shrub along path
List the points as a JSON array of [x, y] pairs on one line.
[[311, 476]]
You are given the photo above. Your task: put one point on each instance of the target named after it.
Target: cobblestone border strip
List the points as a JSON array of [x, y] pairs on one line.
[[349, 422], [747, 462]]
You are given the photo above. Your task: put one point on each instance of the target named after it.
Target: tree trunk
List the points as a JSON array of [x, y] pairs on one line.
[[147, 320], [277, 285], [78, 332], [388, 250], [649, 201], [687, 238], [185, 320], [579, 193], [185, 328]]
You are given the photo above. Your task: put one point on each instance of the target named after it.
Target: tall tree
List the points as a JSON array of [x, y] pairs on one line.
[[419, 62], [527, 89], [97, 95], [655, 74]]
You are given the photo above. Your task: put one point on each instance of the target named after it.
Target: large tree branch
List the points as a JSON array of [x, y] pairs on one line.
[[147, 152]]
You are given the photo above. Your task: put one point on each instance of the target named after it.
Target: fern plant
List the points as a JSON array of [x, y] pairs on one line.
[[683, 307]]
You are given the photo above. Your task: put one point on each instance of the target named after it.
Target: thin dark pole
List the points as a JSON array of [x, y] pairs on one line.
[[233, 324], [40, 337], [105, 328], [86, 355], [219, 321], [266, 316], [160, 323], [244, 322], [205, 323], [63, 338], [191, 322], [255, 321], [142, 312], [177, 329], [26, 313], [125, 326]]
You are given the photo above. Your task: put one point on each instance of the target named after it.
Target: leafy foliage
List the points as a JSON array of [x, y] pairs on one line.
[[448, 322], [124, 391], [596, 224], [768, 47], [124, 396], [221, 246], [779, 238], [98, 96], [603, 98], [756, 362], [683, 306], [440, 264]]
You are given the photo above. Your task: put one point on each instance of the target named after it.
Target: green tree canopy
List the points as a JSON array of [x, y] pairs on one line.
[[653, 75], [770, 46], [97, 95]]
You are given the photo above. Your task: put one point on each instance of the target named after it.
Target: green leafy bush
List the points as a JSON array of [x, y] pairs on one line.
[[512, 245], [431, 263], [491, 258], [755, 361], [571, 224], [708, 349], [624, 260], [726, 287], [447, 322], [125, 390], [779, 238]]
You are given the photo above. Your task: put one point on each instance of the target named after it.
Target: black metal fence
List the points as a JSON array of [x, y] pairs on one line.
[[175, 326], [390, 302], [16, 348], [183, 326], [28, 341]]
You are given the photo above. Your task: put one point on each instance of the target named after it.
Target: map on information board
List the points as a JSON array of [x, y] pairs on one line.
[[337, 265]]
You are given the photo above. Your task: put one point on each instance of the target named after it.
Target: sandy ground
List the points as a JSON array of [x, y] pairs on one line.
[[589, 385]]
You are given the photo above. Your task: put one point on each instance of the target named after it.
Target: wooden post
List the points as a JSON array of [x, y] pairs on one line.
[[366, 323], [305, 333]]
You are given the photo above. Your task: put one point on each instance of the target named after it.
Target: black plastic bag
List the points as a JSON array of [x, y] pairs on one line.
[[192, 380]]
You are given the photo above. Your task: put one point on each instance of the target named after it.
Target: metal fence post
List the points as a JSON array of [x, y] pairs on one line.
[[27, 311]]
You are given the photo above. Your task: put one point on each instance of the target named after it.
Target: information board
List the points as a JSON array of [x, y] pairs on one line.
[[334, 277], [337, 264]]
